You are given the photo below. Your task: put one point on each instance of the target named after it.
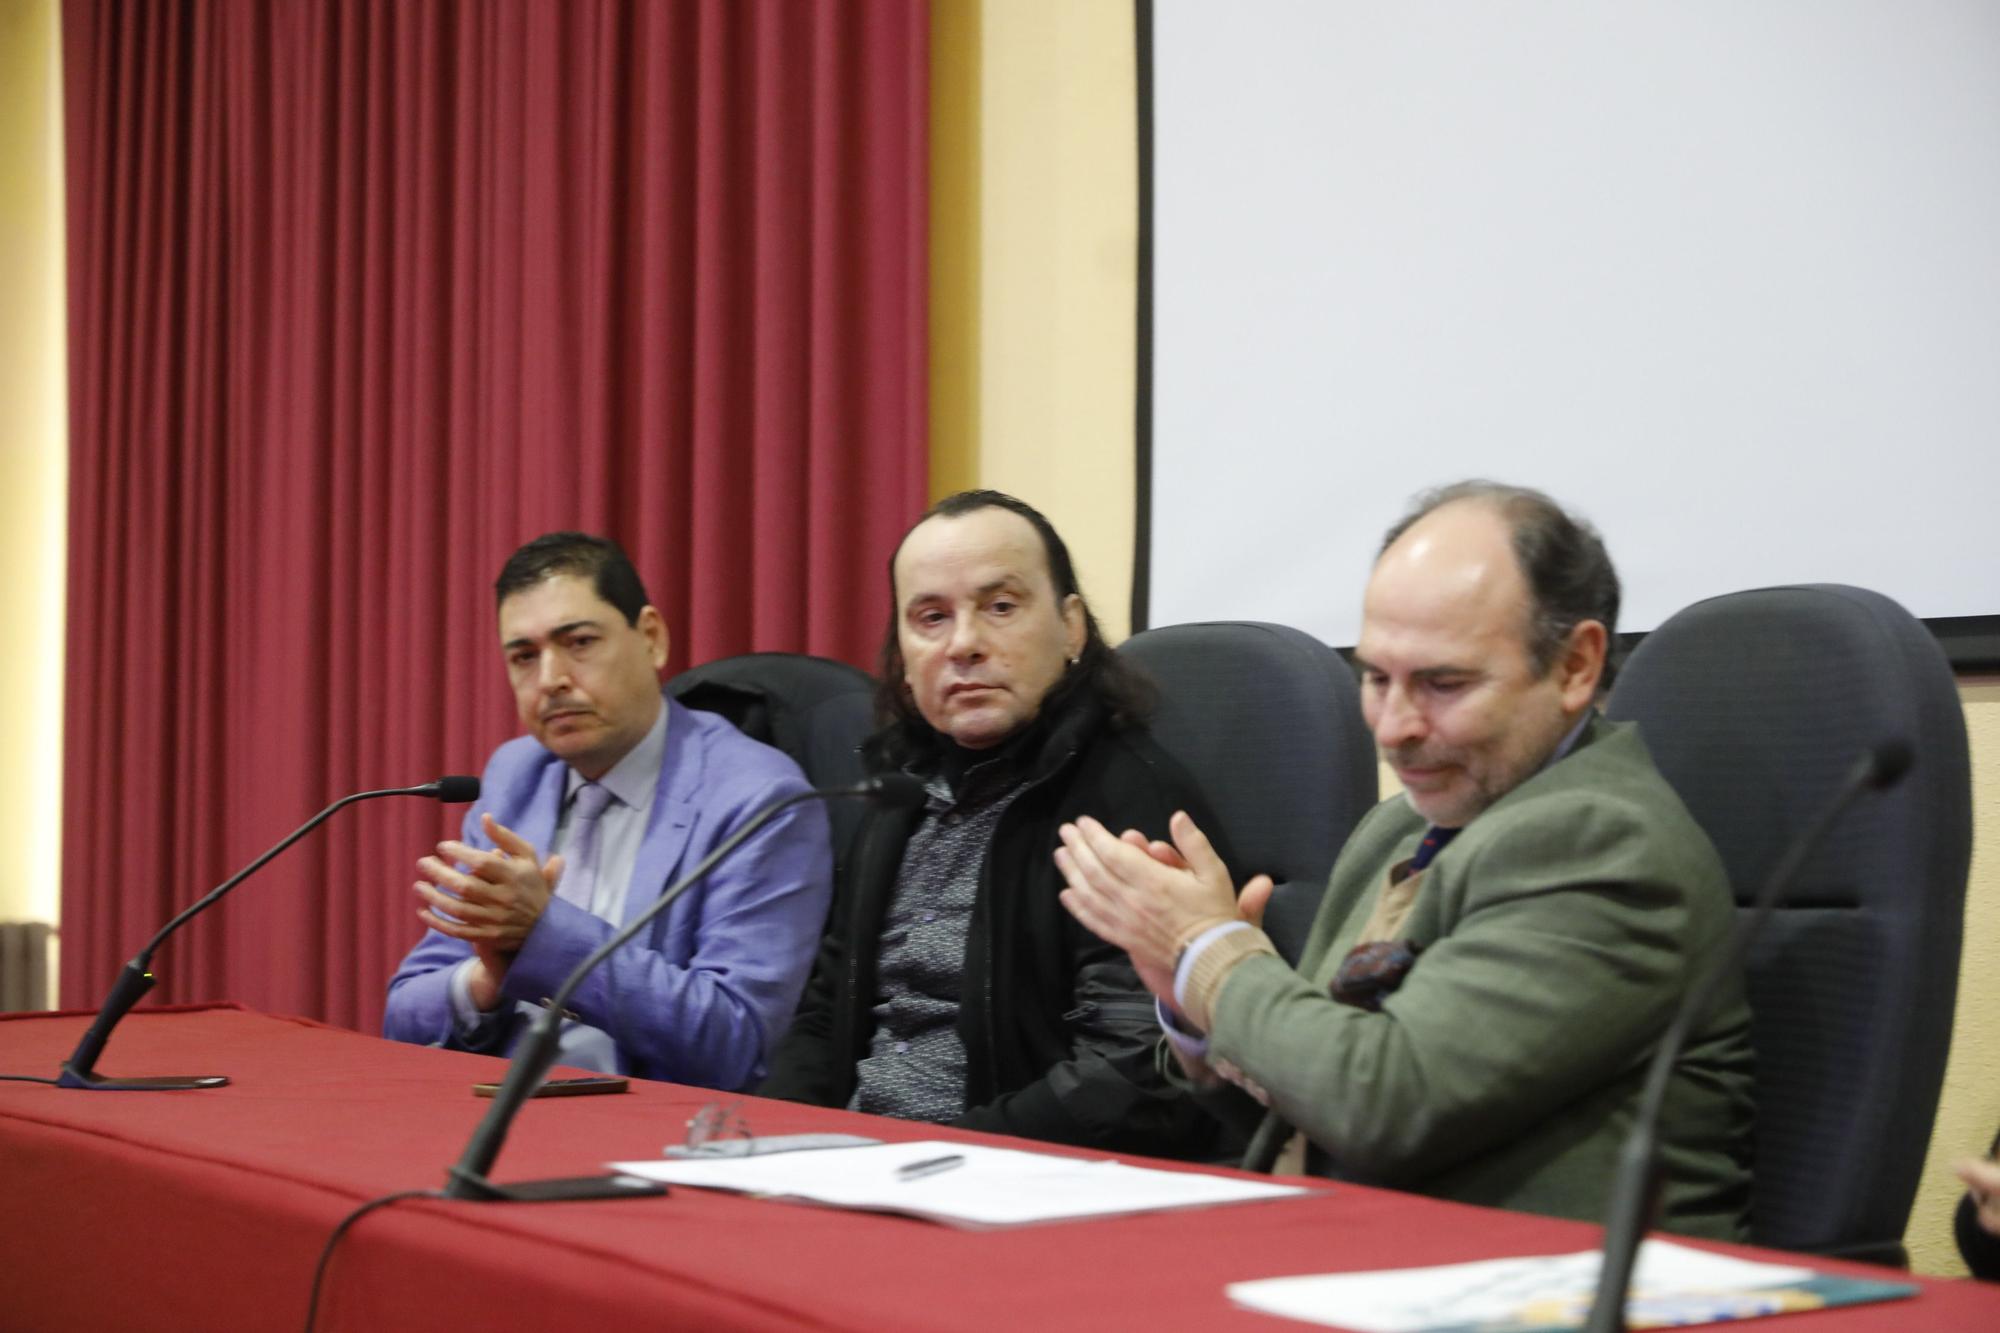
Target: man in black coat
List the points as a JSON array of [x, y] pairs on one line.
[[952, 986]]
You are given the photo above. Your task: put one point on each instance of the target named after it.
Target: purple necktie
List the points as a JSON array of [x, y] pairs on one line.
[[579, 880]]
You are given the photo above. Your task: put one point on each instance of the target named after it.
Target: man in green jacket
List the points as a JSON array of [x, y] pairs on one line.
[[1501, 945]]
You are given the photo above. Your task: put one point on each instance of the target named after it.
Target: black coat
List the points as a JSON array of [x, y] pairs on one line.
[[1058, 1030]]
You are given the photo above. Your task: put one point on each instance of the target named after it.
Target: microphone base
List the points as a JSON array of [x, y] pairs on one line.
[[565, 1189], [72, 1077]]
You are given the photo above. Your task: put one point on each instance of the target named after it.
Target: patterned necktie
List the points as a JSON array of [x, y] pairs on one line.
[[1435, 840], [579, 881]]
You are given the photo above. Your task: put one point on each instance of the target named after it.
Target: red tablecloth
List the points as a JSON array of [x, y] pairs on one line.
[[207, 1209]]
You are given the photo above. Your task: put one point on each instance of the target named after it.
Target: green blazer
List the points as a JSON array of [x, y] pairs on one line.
[[1559, 930]]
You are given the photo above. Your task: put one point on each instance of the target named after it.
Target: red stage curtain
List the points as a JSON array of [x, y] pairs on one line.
[[365, 294]]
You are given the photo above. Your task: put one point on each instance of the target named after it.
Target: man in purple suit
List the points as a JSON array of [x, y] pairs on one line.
[[614, 793]]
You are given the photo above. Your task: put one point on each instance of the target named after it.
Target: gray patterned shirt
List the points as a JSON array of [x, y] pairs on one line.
[[915, 1066]]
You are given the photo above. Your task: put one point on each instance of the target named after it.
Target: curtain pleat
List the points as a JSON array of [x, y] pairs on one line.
[[363, 295]]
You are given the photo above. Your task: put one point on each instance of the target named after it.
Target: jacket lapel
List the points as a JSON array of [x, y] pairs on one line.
[[672, 823], [537, 819]]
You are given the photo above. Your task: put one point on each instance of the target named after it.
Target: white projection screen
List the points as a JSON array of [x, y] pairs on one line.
[[1724, 275]]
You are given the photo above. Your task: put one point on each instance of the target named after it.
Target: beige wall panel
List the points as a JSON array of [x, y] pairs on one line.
[[1044, 407], [33, 445], [1969, 1112]]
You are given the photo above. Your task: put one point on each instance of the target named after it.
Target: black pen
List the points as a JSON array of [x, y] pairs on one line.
[[928, 1167]]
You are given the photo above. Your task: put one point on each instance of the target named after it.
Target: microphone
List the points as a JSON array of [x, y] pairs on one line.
[[137, 977], [532, 1058], [451, 789], [1635, 1194]]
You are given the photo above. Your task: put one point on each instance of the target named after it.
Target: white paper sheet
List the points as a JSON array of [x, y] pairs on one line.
[[993, 1186], [1546, 1291]]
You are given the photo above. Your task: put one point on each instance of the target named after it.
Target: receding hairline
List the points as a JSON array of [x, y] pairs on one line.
[[1034, 540], [1516, 582], [1503, 530], [1498, 506]]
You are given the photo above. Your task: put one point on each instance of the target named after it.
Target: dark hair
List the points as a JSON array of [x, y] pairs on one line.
[[598, 559], [1126, 694], [1568, 571]]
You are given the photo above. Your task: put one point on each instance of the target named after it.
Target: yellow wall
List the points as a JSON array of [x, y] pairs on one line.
[[33, 443], [1036, 261], [1034, 235], [1969, 1111]]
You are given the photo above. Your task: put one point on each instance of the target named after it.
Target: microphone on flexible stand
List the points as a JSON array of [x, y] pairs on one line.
[[537, 1051], [1635, 1195], [137, 977]]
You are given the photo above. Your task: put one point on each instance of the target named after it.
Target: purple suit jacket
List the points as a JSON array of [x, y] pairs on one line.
[[703, 995]]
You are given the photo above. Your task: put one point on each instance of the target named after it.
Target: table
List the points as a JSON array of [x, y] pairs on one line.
[[208, 1209]]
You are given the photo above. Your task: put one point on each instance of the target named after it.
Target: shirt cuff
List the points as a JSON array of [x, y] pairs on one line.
[[1192, 1045], [469, 1017], [1208, 970], [1185, 967]]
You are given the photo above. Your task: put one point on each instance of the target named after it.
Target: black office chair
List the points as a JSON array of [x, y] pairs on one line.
[[815, 709], [1268, 721], [1755, 705]]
